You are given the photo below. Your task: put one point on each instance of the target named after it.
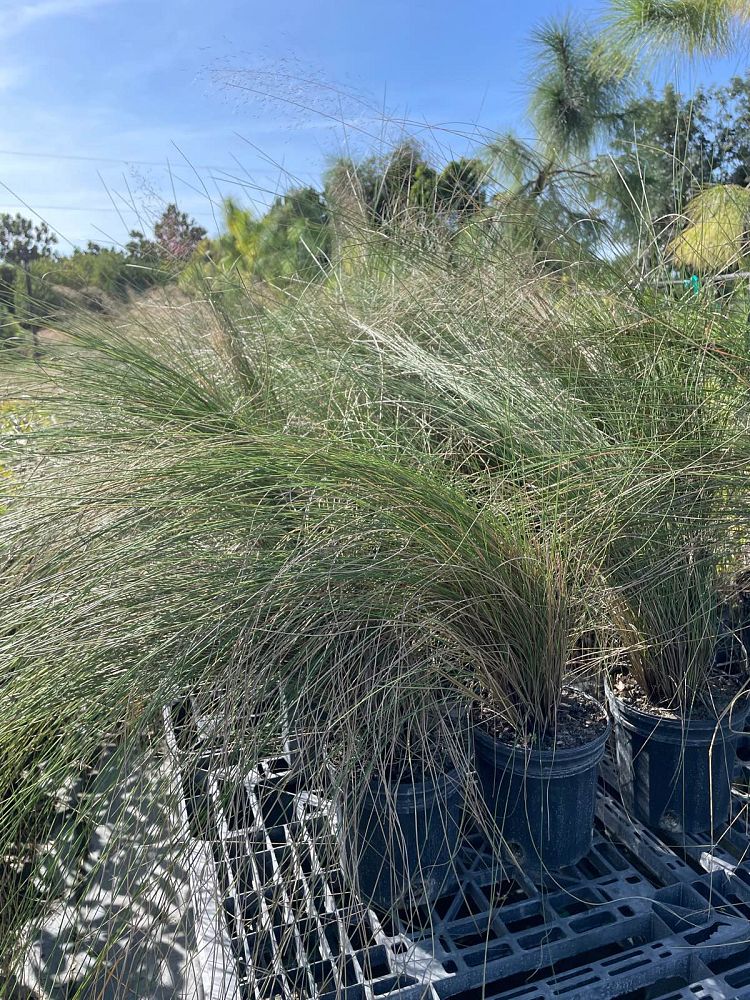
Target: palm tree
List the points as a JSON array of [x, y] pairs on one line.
[[715, 235], [693, 27], [578, 95]]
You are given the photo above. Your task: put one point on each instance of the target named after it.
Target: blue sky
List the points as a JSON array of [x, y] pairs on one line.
[[111, 108]]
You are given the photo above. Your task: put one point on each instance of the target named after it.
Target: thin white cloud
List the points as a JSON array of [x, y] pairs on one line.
[[17, 17]]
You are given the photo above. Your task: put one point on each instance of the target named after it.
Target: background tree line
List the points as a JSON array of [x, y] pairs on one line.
[[613, 168]]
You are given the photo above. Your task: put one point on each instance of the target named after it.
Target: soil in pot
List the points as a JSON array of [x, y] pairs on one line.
[[542, 797], [399, 835], [675, 773]]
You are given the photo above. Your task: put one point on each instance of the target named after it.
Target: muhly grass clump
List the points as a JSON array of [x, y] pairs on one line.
[[358, 510], [623, 408]]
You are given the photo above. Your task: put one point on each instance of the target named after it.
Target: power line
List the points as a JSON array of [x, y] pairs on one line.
[[62, 208], [110, 159]]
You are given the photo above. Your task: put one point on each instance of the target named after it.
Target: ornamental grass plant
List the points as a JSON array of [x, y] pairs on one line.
[[622, 409], [355, 511]]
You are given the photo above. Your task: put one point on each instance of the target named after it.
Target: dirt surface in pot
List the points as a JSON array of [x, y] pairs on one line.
[[578, 721], [722, 689]]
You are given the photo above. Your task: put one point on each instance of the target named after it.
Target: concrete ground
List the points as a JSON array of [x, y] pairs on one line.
[[124, 931]]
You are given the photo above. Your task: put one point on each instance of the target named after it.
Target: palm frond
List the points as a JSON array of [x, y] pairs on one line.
[[577, 92], [662, 27], [715, 237]]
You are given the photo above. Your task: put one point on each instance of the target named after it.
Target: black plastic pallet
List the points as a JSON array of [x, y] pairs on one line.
[[727, 850], [636, 918]]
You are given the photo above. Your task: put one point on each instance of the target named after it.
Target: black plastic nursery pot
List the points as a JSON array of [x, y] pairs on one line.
[[676, 774], [399, 839], [733, 649], [542, 801]]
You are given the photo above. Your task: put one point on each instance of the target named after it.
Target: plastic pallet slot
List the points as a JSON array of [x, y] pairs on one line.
[[594, 927], [651, 972], [669, 984], [727, 851]]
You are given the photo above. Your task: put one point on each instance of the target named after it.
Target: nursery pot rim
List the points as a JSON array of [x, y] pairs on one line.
[[686, 731], [560, 761], [382, 787], [379, 785]]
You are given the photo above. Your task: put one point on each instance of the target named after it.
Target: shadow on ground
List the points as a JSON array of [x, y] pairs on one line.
[[124, 932]]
